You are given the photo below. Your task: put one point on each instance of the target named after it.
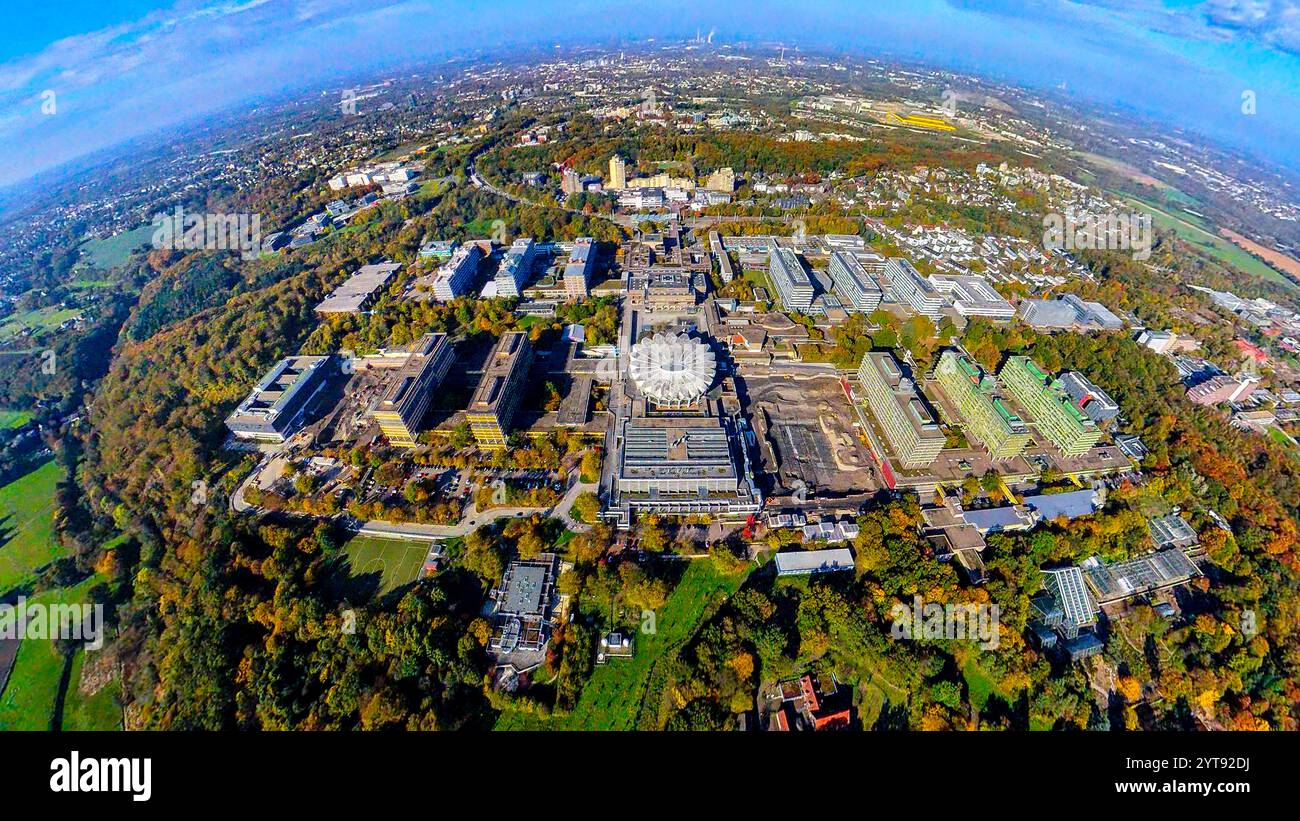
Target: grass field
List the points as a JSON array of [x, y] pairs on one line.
[[614, 695], [27, 525], [40, 320], [28, 700], [13, 419], [390, 562], [116, 250], [1195, 232], [90, 712]]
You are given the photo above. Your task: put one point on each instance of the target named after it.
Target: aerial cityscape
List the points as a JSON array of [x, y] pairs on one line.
[[649, 382]]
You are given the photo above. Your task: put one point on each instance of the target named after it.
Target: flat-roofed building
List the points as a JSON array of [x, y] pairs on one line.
[[271, 411], [725, 268], [1172, 531], [457, 276], [680, 466], [910, 288], [662, 288], [516, 267], [359, 291], [855, 284], [1068, 312], [505, 377], [973, 296], [1095, 403], [985, 415], [1050, 406], [808, 562], [905, 417], [577, 272], [793, 285], [406, 399]]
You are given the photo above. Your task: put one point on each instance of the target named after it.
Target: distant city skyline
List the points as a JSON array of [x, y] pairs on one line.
[[93, 76]]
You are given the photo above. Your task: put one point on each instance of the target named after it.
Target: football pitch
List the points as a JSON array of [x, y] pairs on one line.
[[396, 561]]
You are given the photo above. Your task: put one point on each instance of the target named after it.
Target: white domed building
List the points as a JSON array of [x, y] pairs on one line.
[[672, 370]]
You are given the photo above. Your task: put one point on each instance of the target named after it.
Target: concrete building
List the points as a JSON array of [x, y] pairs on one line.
[[903, 414], [1223, 388], [456, 278], [577, 273], [271, 412], [910, 288], [973, 296], [617, 173], [407, 397], [808, 562], [662, 288], [505, 378], [856, 285], [985, 415], [793, 285], [1068, 312], [1049, 404], [1095, 403], [358, 293], [725, 269], [680, 465], [516, 266]]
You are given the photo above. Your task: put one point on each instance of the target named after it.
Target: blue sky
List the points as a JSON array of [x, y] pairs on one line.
[[122, 69]]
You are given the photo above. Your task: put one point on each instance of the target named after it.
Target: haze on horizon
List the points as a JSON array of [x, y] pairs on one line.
[[128, 69]]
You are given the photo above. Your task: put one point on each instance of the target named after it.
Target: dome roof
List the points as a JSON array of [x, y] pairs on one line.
[[672, 369]]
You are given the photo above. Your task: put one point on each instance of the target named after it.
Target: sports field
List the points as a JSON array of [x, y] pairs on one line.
[[27, 540], [396, 561]]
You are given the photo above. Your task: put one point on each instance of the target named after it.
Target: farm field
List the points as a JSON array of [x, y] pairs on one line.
[[29, 697], [116, 250], [39, 320], [1191, 231], [616, 693], [27, 540]]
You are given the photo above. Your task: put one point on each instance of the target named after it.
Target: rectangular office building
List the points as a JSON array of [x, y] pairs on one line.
[[505, 378], [985, 415], [457, 276], [406, 399], [903, 414], [516, 267], [359, 291], [912, 289], [271, 411], [855, 284], [1050, 406], [792, 283], [577, 273]]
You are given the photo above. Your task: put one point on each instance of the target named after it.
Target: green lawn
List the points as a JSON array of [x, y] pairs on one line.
[[614, 695], [390, 562], [10, 419], [116, 250], [1196, 232], [28, 700], [27, 540], [41, 320], [99, 711]]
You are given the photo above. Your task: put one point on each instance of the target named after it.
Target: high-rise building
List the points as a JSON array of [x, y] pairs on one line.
[[792, 283], [517, 264], [570, 181], [985, 415], [854, 282], [912, 289], [577, 273], [505, 377], [1048, 404], [457, 276], [617, 173], [407, 397], [903, 414]]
